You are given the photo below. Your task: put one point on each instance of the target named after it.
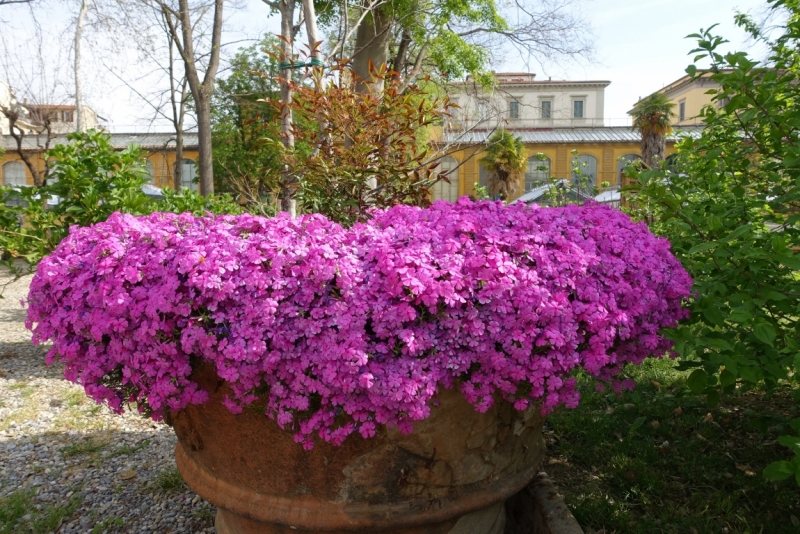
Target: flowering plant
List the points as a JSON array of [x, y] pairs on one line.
[[338, 330]]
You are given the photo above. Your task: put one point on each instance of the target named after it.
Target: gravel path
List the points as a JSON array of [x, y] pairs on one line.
[[70, 466]]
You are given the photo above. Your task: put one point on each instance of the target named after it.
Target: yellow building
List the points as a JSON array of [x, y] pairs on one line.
[[159, 150], [689, 96], [601, 153], [562, 120]]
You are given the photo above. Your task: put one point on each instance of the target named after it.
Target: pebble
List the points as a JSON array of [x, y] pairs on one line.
[[49, 436]]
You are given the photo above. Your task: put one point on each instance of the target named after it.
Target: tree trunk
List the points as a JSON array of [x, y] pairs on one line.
[[178, 112], [178, 170], [654, 149], [318, 70], [78, 87], [201, 90], [400, 58], [206, 163], [39, 177], [289, 182], [371, 50]]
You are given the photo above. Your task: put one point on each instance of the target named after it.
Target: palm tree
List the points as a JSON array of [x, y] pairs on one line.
[[506, 159], [652, 116]]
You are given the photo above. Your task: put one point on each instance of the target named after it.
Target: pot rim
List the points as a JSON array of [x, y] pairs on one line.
[[324, 516]]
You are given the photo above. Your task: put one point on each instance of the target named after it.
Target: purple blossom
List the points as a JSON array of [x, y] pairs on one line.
[[337, 330]]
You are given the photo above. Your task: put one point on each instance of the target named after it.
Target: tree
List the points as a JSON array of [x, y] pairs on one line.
[[450, 39], [388, 160], [246, 132], [652, 116], [91, 180], [77, 69], [506, 159], [731, 210], [181, 26], [34, 78]]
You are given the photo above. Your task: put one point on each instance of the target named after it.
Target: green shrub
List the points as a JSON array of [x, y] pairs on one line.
[[731, 209], [89, 180]]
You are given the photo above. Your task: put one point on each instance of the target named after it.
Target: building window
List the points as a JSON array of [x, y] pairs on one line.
[[682, 110], [483, 176], [547, 109], [538, 172], [584, 173], [441, 189], [513, 109], [577, 109], [151, 171], [482, 109], [68, 116], [189, 175], [672, 163], [623, 162], [14, 173]]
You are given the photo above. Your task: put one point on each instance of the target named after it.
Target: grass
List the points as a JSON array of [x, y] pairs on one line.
[[205, 514], [79, 413], [106, 524], [15, 506], [169, 480], [84, 446], [660, 460], [50, 519], [12, 509], [127, 449]]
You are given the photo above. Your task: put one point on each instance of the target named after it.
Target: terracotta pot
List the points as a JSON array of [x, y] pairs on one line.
[[450, 476]]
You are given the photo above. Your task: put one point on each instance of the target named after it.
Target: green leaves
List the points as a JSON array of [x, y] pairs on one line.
[[636, 424], [90, 179], [729, 209], [764, 331], [783, 469], [698, 380], [779, 470], [792, 262], [701, 247]]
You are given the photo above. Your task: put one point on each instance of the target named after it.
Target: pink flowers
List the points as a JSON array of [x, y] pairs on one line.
[[337, 330]]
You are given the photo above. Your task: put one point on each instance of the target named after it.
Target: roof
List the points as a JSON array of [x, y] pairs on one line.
[[153, 141], [604, 134], [686, 80], [566, 83], [49, 106], [611, 195]]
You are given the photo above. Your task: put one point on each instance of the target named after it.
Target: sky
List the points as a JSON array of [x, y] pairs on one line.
[[640, 46]]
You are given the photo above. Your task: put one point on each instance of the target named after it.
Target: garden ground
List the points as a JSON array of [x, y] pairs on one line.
[[70, 466], [655, 460], [660, 460]]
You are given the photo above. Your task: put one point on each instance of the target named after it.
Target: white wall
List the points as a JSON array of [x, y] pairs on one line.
[[495, 108]]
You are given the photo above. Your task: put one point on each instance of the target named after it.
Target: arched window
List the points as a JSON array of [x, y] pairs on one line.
[[484, 175], [189, 175], [623, 162], [441, 189], [584, 173], [538, 172], [151, 171], [671, 163], [14, 173]]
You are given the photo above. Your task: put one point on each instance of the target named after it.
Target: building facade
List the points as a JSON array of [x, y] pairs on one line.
[[62, 119], [159, 151], [690, 96], [560, 122], [519, 101]]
